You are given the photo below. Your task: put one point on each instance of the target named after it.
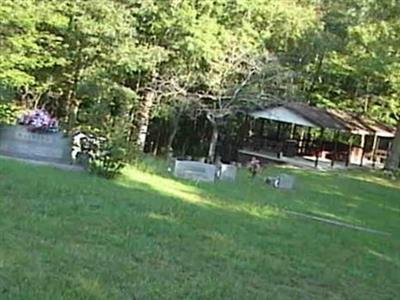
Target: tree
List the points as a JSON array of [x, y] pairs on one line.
[[258, 83], [393, 160], [92, 35], [353, 61], [193, 61]]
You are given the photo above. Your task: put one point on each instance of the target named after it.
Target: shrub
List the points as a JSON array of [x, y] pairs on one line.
[[102, 156], [8, 113], [110, 161]]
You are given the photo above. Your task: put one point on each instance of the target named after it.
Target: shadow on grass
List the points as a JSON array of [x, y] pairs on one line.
[[339, 195], [363, 198], [359, 197], [88, 238], [315, 190]]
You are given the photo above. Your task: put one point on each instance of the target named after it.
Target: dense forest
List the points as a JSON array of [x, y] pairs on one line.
[[157, 75]]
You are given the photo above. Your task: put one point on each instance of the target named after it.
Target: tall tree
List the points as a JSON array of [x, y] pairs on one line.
[[393, 160]]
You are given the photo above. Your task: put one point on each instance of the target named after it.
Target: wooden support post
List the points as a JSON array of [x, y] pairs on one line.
[[250, 134], [335, 141], [293, 131], [319, 147], [243, 134], [278, 132], [301, 142], [308, 139], [374, 148], [261, 133], [262, 127], [363, 146], [350, 149]]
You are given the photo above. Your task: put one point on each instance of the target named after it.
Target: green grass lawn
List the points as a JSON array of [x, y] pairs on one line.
[[66, 235]]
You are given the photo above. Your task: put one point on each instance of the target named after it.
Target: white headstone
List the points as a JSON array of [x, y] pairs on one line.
[[286, 181], [194, 170], [228, 172]]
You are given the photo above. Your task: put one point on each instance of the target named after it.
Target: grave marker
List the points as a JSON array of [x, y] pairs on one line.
[[194, 170], [286, 181], [228, 172], [17, 141]]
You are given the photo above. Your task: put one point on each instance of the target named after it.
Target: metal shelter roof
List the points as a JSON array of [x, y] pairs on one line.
[[305, 115]]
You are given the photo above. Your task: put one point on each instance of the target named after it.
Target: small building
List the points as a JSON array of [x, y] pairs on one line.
[[297, 133]]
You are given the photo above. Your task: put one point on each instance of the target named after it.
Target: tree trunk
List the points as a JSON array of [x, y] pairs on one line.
[[132, 127], [157, 143], [317, 72], [243, 133], [72, 114], [393, 160], [73, 105], [144, 118], [175, 127], [214, 139], [72, 101]]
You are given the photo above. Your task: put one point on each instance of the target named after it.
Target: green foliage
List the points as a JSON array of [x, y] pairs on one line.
[[8, 113], [357, 66], [110, 161], [108, 116], [91, 63], [7, 93]]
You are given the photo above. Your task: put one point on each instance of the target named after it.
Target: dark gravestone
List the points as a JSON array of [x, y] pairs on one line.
[[17, 141]]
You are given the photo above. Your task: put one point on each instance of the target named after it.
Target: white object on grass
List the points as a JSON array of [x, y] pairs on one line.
[[228, 172]]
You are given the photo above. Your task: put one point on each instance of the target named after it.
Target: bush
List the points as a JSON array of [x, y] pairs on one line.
[[8, 113], [110, 161], [101, 156]]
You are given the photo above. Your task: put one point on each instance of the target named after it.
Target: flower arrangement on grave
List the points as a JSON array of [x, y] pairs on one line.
[[39, 120], [254, 166]]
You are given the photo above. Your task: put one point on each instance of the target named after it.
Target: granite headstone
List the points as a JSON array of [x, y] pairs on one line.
[[194, 170], [228, 172], [286, 181], [282, 181], [18, 141]]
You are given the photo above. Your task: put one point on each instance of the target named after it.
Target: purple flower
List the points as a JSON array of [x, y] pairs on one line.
[[39, 119]]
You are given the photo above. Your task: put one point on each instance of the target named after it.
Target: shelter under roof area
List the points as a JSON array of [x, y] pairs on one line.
[[324, 135]]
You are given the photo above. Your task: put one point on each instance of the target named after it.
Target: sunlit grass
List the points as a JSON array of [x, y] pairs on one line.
[[191, 192], [375, 177], [146, 235], [166, 186]]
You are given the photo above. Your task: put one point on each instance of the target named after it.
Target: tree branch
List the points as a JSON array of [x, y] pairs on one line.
[[240, 88]]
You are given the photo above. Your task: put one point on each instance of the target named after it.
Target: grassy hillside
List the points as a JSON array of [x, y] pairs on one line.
[[66, 235]]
